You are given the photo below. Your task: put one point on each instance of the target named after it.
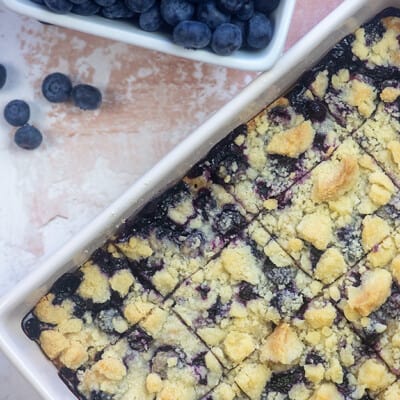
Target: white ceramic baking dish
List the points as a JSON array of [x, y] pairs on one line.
[[25, 354], [261, 60]]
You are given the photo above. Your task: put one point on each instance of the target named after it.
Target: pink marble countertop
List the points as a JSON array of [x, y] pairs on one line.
[[151, 102]]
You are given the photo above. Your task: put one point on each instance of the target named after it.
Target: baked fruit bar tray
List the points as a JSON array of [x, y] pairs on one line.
[[270, 271]]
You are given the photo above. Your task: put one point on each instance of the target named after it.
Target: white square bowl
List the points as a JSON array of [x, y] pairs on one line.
[[24, 353], [124, 31]]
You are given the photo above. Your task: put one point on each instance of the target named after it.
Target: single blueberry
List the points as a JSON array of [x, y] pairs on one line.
[[28, 137], [117, 10], [210, 14], [86, 97], [3, 75], [259, 31], [218, 310], [65, 286], [226, 39], [17, 112], [246, 11], [247, 292], [140, 6], [230, 6], [57, 87], [100, 395], [203, 289], [89, 7], [161, 359], [282, 382], [314, 359], [40, 2], [279, 276], [315, 110], [107, 263], [175, 11], [105, 3], [78, 1], [105, 319], [32, 327], [229, 221], [59, 6], [192, 34], [139, 340], [266, 6], [242, 26], [151, 20]]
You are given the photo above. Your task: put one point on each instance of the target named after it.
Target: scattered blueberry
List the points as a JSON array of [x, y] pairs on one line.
[[192, 34], [59, 6], [117, 10], [17, 112], [28, 137], [89, 7], [150, 20], [266, 6], [230, 6], [3, 75], [175, 11], [259, 31], [246, 11], [210, 14], [140, 6], [226, 39], [86, 97], [314, 359], [57, 87]]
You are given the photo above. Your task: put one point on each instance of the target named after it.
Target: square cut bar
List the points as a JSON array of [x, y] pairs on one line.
[[316, 356], [264, 157], [88, 309], [369, 297], [159, 358], [376, 46], [380, 135], [234, 302], [180, 232], [327, 221]]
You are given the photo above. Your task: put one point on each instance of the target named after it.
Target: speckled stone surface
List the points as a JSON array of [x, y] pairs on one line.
[[50, 194]]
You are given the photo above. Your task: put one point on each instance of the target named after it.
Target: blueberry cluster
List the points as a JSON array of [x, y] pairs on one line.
[[56, 88], [223, 26]]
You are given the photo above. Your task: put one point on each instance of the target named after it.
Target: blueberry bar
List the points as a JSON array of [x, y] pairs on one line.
[[376, 47], [159, 358], [370, 298], [380, 135], [88, 309], [265, 156], [180, 232], [234, 301], [327, 220], [316, 356]]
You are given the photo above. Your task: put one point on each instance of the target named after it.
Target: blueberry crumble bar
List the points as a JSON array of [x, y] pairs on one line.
[[327, 221], [270, 271]]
